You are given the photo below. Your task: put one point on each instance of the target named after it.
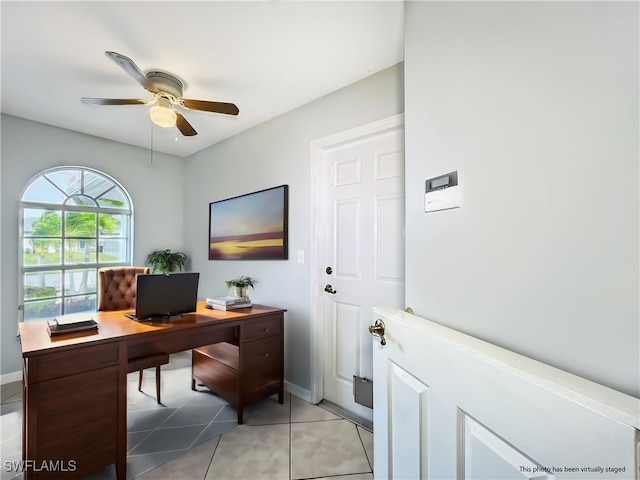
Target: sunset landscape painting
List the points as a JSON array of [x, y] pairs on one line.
[[250, 227]]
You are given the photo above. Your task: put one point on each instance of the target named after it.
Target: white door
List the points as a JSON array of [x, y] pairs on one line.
[[361, 263], [449, 406]]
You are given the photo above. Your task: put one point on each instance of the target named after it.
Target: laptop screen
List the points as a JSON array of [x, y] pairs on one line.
[[161, 295]]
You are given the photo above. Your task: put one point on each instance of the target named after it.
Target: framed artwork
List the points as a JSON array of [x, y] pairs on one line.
[[250, 227]]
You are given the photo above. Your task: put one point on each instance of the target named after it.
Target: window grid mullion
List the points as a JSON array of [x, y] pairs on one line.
[[77, 208], [55, 185]]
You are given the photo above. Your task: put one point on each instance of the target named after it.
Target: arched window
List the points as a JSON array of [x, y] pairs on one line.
[[74, 220]]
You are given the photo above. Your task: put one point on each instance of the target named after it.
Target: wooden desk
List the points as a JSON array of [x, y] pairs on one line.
[[75, 386]]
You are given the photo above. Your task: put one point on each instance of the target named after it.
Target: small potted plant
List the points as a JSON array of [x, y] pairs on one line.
[[166, 261], [238, 286]]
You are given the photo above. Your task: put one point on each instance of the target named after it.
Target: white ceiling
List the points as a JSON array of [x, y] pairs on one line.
[[267, 57]]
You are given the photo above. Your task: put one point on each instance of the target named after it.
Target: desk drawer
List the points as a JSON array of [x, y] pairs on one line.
[[262, 328], [71, 362], [256, 387], [263, 355], [73, 420]]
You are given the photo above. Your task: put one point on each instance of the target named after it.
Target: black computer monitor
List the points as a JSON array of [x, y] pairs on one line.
[[161, 295]]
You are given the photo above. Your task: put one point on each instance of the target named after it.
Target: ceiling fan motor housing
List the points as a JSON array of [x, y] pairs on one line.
[[168, 85]]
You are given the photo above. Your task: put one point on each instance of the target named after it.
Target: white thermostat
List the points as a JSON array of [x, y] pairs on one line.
[[443, 192]]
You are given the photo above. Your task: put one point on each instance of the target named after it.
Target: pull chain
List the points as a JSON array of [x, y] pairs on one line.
[[151, 142]]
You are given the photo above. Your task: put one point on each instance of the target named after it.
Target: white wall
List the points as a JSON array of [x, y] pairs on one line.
[[28, 148], [276, 153], [537, 104]]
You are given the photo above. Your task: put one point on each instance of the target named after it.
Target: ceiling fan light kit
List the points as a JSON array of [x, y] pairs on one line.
[[162, 114], [167, 92]]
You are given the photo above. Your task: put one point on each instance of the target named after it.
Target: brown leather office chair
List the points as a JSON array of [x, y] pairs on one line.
[[117, 291]]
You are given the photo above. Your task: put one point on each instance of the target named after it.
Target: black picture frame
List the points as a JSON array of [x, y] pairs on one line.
[[253, 226]]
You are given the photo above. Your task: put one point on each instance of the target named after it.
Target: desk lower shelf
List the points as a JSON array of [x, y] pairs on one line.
[[245, 373]]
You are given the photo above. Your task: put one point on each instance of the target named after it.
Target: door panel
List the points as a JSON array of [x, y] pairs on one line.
[[484, 455], [347, 220], [408, 398], [389, 238], [346, 340]]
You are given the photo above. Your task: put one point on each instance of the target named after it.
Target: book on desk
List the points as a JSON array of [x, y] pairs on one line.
[[73, 323], [228, 303]]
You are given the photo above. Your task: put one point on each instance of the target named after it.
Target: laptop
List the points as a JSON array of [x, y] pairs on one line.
[[165, 295]]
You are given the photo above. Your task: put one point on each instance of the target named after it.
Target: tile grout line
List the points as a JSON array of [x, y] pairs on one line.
[[211, 422], [364, 449], [215, 449]]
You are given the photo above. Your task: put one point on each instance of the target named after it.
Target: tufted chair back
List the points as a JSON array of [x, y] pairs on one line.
[[117, 287]]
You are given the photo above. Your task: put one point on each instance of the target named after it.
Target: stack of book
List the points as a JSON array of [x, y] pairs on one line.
[[73, 323], [228, 303]]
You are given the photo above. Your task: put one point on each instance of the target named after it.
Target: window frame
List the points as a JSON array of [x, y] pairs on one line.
[[63, 208]]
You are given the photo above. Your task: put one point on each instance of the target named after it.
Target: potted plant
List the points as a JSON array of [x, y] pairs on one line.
[[166, 261], [238, 286]]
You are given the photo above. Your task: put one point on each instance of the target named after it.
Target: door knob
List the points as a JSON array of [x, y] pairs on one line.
[[329, 289], [377, 329]]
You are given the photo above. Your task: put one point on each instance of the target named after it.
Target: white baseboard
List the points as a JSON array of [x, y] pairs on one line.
[[298, 391], [10, 377]]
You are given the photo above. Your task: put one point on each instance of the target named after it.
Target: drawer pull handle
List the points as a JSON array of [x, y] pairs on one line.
[[266, 354], [266, 329]]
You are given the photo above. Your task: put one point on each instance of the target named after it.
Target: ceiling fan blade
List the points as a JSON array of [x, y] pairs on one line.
[[132, 69], [184, 126], [114, 101], [216, 107]]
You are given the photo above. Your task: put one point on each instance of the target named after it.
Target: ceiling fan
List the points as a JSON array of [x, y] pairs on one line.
[[167, 92]]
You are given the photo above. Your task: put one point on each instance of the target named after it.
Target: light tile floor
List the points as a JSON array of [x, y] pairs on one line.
[[194, 435]]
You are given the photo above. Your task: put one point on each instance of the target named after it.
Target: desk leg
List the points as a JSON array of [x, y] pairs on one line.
[[121, 462], [24, 411], [240, 414]]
